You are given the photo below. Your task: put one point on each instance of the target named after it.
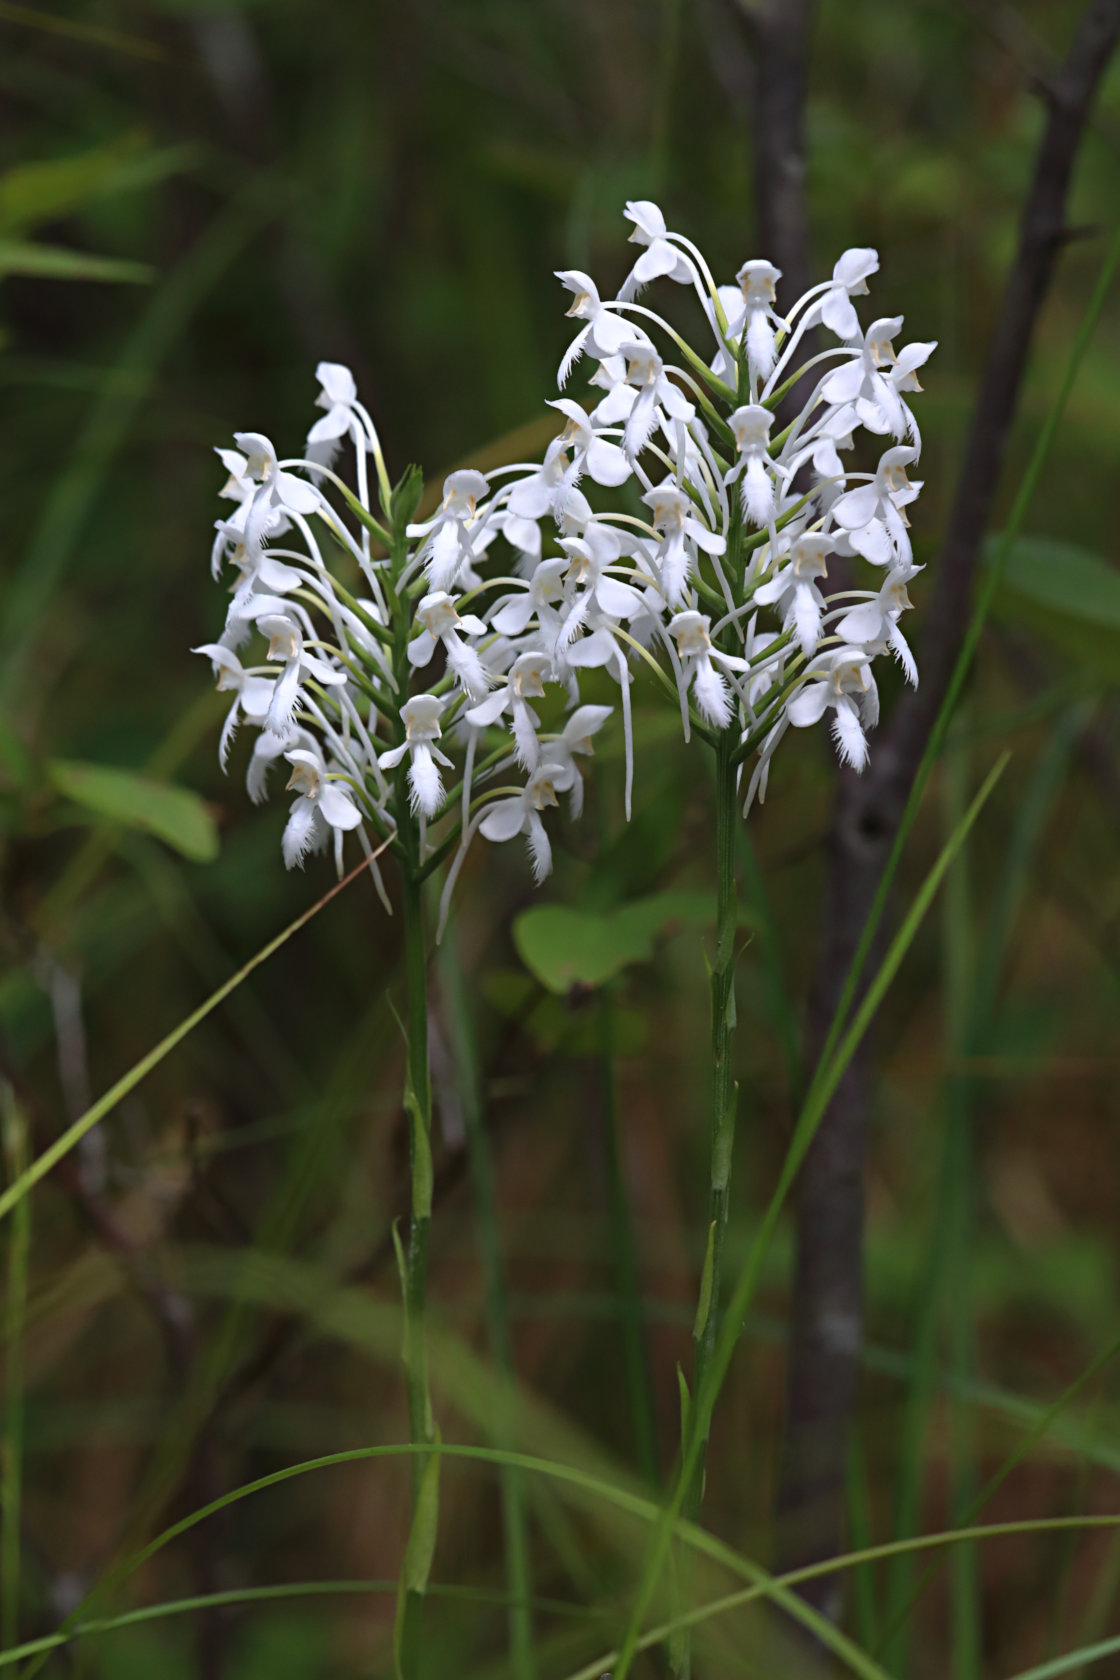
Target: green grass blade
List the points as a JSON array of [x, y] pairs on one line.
[[280, 1594], [1071, 1661]]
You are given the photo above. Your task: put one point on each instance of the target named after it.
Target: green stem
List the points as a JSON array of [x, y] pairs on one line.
[[413, 1263], [14, 1129], [721, 1126], [511, 1479], [418, 1101]]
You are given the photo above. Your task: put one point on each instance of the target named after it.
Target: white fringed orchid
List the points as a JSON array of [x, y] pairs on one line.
[[670, 521]]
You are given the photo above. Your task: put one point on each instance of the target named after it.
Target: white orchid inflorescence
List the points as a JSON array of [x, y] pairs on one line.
[[411, 680]]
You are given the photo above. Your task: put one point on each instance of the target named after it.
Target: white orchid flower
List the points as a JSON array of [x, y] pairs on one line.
[[756, 282], [646, 372], [338, 395], [605, 332], [448, 546], [699, 658], [541, 492], [592, 590], [252, 694], [614, 408], [525, 681], [874, 623], [277, 491], [901, 376], [849, 279], [421, 719], [845, 685], [863, 380], [673, 515], [872, 517], [286, 646], [660, 257], [793, 590], [521, 814], [442, 623], [751, 427], [321, 807], [591, 452], [542, 601], [575, 739]]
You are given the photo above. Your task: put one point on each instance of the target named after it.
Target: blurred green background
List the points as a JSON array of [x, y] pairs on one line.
[[197, 203]]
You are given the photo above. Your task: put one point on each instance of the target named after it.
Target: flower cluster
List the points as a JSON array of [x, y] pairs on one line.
[[675, 524]]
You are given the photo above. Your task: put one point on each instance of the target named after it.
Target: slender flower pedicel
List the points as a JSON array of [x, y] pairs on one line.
[[421, 677]]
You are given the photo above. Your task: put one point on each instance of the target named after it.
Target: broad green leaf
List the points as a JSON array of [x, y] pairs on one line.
[[1068, 594], [173, 814], [56, 262], [564, 947]]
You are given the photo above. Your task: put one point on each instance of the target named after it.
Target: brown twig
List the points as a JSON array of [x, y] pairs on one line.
[[826, 1329]]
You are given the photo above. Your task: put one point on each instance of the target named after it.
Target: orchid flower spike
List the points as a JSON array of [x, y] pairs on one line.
[[670, 523]]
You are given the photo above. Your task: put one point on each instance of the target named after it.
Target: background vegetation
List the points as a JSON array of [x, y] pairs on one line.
[[197, 203]]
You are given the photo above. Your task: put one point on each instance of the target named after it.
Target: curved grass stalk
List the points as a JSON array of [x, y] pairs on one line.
[[762, 1586]]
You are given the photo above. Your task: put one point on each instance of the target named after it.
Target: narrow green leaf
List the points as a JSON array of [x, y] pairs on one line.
[[48, 188], [422, 1178], [686, 1402], [425, 1529], [1070, 1661], [173, 814], [704, 1299], [724, 1141]]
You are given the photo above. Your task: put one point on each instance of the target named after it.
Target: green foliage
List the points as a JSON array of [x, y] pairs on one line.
[[1071, 596], [565, 947], [173, 814]]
